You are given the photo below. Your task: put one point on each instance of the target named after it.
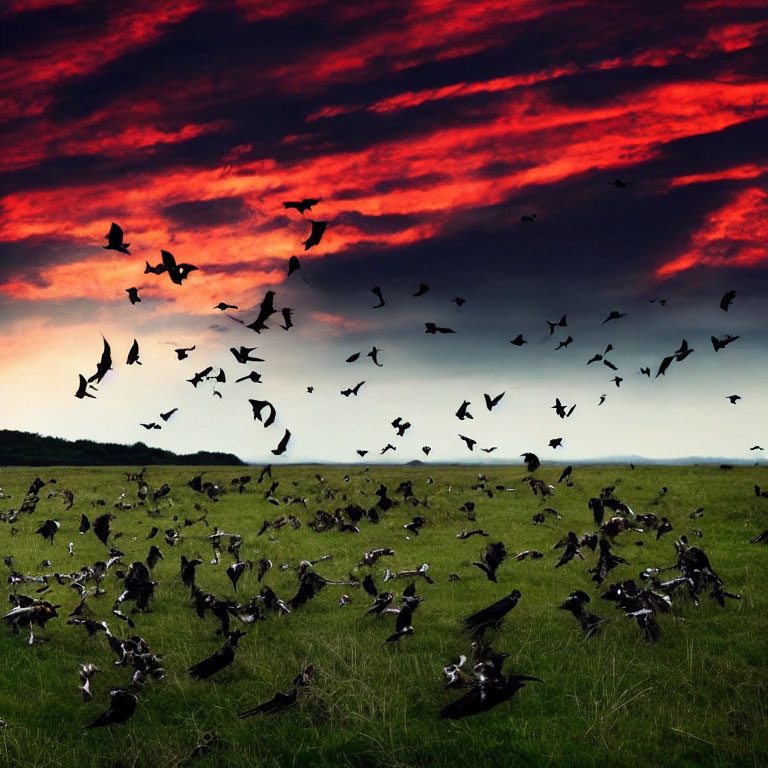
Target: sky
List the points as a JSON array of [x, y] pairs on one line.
[[536, 159]]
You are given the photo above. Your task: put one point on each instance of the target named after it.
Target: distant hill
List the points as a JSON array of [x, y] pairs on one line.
[[33, 450]]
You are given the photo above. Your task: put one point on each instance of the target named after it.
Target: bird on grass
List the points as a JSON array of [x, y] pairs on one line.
[[218, 660], [281, 701], [491, 616], [493, 556], [121, 708]]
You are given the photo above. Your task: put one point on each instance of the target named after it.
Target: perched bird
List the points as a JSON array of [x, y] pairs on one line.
[[218, 660], [491, 616], [302, 205], [493, 556], [318, 228], [281, 701], [121, 708], [115, 240], [133, 295]]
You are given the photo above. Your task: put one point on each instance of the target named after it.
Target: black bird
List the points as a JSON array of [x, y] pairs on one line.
[[183, 352], [458, 300], [403, 626], [121, 708], [201, 376], [733, 398], [115, 240], [287, 322], [243, 355], [387, 447], [401, 426], [158, 269], [491, 616], [236, 570], [101, 527], [561, 323], [493, 556], [85, 524], [426, 449], [218, 660], [188, 570], [665, 363], [265, 311], [617, 380], [283, 444], [361, 453], [133, 295], [302, 205], [591, 623], [352, 391], [432, 328], [490, 402], [373, 354], [353, 358], [150, 425], [614, 315], [377, 292], [469, 441], [719, 344], [48, 530], [564, 343], [105, 364], [683, 351], [133, 354], [727, 300], [421, 290], [252, 376], [222, 305], [177, 272], [565, 474], [531, 460], [602, 399], [463, 413], [293, 265], [82, 390], [556, 442], [645, 372], [318, 227], [258, 406], [370, 587], [167, 415], [280, 700]]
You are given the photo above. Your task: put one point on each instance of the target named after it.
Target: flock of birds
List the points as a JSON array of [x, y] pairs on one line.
[[478, 675], [243, 355]]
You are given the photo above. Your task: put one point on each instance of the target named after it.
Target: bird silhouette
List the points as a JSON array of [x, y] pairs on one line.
[[200, 376], [602, 399], [614, 315], [469, 441], [556, 442], [183, 352], [222, 305], [490, 402], [302, 205], [150, 425], [177, 272], [82, 390], [115, 240], [733, 398], [377, 292], [266, 310], [421, 290], [353, 390], [283, 444], [167, 415], [719, 344], [133, 354], [318, 227], [531, 461], [561, 323], [293, 265], [727, 300], [432, 328], [353, 358], [564, 343], [158, 269], [518, 341], [133, 295], [243, 355], [105, 364], [218, 660], [458, 300], [373, 354], [259, 406], [493, 556], [463, 413], [287, 321], [387, 447]]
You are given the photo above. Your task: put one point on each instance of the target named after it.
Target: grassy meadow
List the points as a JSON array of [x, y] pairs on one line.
[[698, 697]]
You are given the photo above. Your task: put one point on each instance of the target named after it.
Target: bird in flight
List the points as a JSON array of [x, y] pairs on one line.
[[167, 415], [373, 354], [376, 290], [302, 205], [469, 441], [726, 301], [490, 402], [283, 444], [177, 272], [518, 341], [353, 390], [252, 376], [561, 323], [259, 406], [318, 227], [105, 364], [183, 352], [564, 343], [432, 328], [463, 413], [458, 300], [200, 376], [222, 305], [82, 390], [133, 354], [115, 240], [293, 265], [133, 295], [614, 315], [267, 308], [243, 355], [719, 344], [531, 460], [421, 290], [287, 322], [556, 442], [733, 398]]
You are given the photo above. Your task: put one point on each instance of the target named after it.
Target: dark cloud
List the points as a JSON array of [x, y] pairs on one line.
[[201, 214]]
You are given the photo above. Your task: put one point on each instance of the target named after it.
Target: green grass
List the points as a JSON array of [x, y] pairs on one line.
[[697, 698]]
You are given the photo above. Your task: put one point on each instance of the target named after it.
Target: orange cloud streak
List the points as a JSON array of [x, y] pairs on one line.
[[735, 235]]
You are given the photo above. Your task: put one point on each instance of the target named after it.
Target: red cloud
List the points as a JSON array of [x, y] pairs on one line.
[[735, 235]]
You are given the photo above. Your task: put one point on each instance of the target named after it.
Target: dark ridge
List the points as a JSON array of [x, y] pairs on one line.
[[25, 449]]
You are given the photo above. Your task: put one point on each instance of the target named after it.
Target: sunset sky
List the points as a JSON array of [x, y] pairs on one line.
[[534, 158]]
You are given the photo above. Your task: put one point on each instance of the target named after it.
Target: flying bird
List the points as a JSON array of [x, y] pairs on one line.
[[318, 227], [177, 272], [287, 322], [200, 376], [259, 406], [183, 352], [518, 341], [222, 305], [719, 344], [373, 354], [243, 355], [614, 315], [115, 240], [377, 292], [267, 308], [421, 290], [490, 402], [432, 328], [158, 269], [564, 343], [556, 442], [82, 390], [733, 398], [458, 300], [283, 444], [167, 415], [293, 265], [302, 205], [133, 295], [352, 391], [133, 354], [617, 380], [561, 323], [105, 364], [469, 441], [463, 413], [727, 300]]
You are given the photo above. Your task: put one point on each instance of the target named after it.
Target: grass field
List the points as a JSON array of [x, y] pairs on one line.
[[698, 697]]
